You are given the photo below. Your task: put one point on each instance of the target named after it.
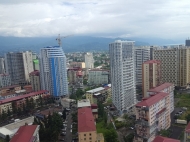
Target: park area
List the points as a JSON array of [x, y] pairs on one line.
[[183, 100]]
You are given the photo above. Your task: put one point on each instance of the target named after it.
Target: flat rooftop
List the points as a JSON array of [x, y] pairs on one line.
[[83, 103], [95, 90]]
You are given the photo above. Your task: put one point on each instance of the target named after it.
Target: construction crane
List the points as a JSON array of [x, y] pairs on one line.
[[60, 37]]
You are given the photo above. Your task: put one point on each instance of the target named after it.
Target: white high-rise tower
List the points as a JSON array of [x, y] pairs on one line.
[[122, 75], [89, 60], [53, 72]]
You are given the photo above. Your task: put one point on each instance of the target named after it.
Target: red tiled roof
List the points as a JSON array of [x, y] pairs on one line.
[[36, 72], [94, 106], [79, 73], [22, 96], [160, 88], [152, 100], [151, 61], [85, 120], [164, 139], [24, 134], [187, 129]]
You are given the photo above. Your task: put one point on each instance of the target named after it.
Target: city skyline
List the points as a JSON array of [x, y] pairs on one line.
[[128, 19]]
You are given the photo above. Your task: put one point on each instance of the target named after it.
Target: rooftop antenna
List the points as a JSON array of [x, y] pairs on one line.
[[60, 37]]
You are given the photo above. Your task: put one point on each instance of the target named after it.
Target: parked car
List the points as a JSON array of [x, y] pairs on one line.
[[131, 128]]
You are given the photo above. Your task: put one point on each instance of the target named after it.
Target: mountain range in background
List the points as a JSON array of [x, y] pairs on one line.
[[72, 44]]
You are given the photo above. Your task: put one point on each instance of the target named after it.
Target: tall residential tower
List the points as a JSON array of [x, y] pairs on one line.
[[122, 75], [142, 54], [53, 72], [18, 66]]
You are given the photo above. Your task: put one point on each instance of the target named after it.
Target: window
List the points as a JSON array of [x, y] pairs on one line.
[[84, 134], [84, 138], [90, 134], [90, 138]]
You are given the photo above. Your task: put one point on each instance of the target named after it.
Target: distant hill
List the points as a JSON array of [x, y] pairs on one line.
[[70, 44]]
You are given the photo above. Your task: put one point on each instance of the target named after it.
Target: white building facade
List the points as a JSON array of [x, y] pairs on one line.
[[53, 72], [89, 60], [18, 66], [142, 54], [122, 75], [2, 65]]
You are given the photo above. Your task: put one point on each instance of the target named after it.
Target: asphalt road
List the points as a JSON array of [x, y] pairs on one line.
[[68, 137]]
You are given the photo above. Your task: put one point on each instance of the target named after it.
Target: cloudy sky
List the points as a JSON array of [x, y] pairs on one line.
[[122, 18]]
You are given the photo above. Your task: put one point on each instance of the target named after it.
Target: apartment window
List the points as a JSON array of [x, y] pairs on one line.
[[90, 138], [84, 134], [90, 134], [84, 138]]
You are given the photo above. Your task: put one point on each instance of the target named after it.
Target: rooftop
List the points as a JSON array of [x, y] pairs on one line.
[[5, 131], [161, 87], [25, 134], [98, 70], [95, 90], [8, 87], [164, 139], [187, 129], [22, 96], [152, 99], [36, 73], [83, 103], [151, 61], [85, 120]]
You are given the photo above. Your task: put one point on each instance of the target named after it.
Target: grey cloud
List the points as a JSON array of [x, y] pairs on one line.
[[157, 18]]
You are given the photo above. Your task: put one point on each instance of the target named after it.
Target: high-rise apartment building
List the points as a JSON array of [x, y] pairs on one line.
[[187, 42], [35, 80], [142, 54], [122, 75], [53, 72], [89, 60], [2, 65], [151, 75], [175, 65], [18, 66], [5, 80]]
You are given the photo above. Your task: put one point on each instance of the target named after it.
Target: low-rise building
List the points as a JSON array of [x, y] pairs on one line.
[[164, 139], [5, 80], [66, 102], [18, 101], [91, 94], [108, 91], [77, 64], [27, 133], [87, 126], [152, 115], [10, 89], [98, 76], [187, 133], [75, 77]]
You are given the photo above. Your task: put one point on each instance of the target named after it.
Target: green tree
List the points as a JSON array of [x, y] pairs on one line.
[[85, 81], [110, 135], [129, 138], [164, 133]]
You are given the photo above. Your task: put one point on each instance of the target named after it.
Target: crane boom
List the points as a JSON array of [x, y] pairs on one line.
[[59, 39]]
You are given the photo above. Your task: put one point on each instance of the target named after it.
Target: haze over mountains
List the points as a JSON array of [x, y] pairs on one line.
[[72, 44]]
